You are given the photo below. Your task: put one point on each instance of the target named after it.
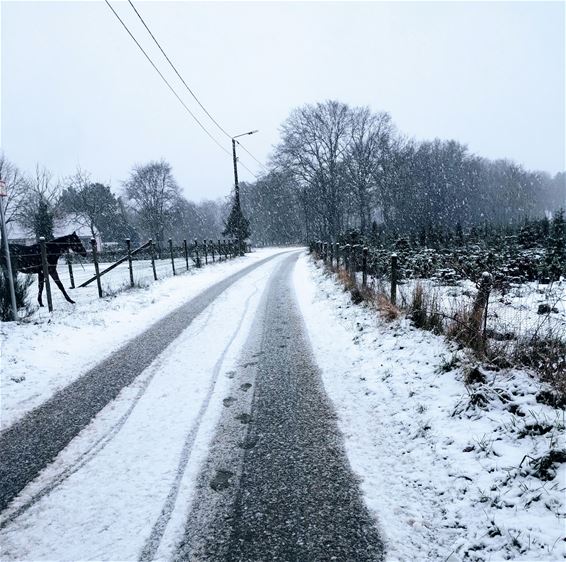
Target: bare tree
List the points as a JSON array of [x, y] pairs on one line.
[[37, 208], [91, 204], [153, 194], [315, 141], [16, 187], [369, 147]]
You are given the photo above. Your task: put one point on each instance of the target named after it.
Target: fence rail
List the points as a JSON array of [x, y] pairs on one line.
[[142, 264], [353, 258]]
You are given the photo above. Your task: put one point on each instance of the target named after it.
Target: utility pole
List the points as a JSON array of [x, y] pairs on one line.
[[236, 184], [10, 279], [237, 225]]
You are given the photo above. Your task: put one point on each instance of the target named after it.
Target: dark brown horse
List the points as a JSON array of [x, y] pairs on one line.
[[27, 259]]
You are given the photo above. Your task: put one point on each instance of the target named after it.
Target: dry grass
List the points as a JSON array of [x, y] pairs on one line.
[[424, 311], [545, 355], [346, 279], [372, 296], [388, 310]]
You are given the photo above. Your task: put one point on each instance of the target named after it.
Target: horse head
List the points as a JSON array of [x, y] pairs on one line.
[[76, 245]]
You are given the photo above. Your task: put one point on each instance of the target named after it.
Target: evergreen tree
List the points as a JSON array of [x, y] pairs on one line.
[[237, 226], [43, 220]]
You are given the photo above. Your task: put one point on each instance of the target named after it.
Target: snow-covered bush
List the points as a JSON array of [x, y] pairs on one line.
[[21, 286]]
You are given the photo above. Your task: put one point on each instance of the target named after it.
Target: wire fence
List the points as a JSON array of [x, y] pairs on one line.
[[111, 271]]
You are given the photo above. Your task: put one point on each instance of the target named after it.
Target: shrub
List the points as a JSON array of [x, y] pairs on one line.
[[546, 356], [21, 287]]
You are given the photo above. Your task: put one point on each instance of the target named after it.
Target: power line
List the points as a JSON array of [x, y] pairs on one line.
[[165, 79], [190, 90], [172, 89], [177, 72], [246, 150]]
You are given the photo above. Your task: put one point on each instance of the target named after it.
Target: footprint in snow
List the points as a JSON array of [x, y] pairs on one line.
[[244, 418], [221, 480], [248, 443]]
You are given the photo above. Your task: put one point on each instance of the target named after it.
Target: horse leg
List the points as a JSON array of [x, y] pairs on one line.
[[40, 282], [55, 276]]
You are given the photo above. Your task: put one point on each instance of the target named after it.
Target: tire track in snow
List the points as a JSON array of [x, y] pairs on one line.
[[98, 446], [154, 540], [33, 442]]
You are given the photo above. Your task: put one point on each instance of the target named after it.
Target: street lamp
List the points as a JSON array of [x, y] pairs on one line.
[[237, 225], [236, 185]]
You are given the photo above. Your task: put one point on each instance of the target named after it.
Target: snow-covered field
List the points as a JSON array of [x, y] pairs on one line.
[[447, 468], [48, 351], [513, 313]]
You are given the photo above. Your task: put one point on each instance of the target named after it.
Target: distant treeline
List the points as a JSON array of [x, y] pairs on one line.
[[339, 168], [336, 168]]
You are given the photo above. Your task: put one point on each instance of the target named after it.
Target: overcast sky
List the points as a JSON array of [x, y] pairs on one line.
[[77, 91]]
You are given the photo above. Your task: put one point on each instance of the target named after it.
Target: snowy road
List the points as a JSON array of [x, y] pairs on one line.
[[124, 487], [29, 445], [288, 491]]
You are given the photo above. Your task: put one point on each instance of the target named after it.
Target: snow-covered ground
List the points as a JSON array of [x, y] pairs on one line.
[[447, 468], [448, 474], [48, 351], [514, 312], [124, 484]]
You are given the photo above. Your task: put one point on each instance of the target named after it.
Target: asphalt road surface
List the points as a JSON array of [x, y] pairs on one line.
[[277, 485], [32, 443]]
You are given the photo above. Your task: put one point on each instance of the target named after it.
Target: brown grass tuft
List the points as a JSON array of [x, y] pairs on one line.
[[424, 311], [386, 307]]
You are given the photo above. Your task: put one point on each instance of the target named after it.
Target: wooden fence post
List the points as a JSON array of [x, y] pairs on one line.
[[45, 268], [172, 256], [365, 267], [347, 257], [225, 252], [70, 266], [152, 250], [186, 250], [393, 278], [96, 270], [130, 264], [205, 250], [353, 261], [197, 258], [337, 253], [211, 244], [219, 251], [479, 313]]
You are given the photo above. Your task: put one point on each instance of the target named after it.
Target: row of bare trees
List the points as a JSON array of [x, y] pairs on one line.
[[150, 205], [335, 168], [339, 167], [337, 156]]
